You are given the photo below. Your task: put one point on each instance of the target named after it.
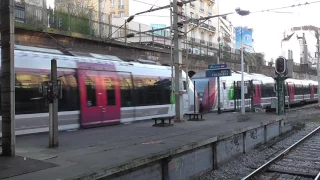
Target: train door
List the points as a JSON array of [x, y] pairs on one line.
[[257, 94], [291, 92], [96, 98], [111, 102], [312, 91]]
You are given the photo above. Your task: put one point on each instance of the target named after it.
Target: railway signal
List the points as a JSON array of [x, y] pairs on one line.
[[281, 66], [281, 70]]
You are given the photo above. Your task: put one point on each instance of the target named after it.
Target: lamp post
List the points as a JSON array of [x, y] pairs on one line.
[[242, 13]]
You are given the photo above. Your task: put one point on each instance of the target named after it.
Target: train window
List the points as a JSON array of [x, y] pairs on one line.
[[28, 98], [91, 91], [299, 89], [126, 91], [267, 90], [70, 91], [30, 101], [111, 93], [151, 91]]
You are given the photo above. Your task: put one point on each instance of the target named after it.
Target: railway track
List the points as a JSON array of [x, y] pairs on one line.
[[301, 161]]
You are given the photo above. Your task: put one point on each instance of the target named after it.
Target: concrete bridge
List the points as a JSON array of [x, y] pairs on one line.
[[45, 33]]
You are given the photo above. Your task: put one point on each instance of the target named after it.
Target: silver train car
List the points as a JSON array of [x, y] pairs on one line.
[[97, 90]]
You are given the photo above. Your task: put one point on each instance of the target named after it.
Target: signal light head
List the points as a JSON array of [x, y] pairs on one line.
[[280, 66]]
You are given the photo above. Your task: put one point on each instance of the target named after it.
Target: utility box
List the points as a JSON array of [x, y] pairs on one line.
[[274, 103], [289, 68]]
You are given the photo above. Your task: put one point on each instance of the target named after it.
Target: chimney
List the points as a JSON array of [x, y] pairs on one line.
[[305, 49]]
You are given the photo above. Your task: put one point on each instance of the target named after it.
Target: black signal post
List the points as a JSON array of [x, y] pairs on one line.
[[281, 71]]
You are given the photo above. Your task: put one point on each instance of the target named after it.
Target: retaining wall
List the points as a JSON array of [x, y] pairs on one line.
[[197, 159]]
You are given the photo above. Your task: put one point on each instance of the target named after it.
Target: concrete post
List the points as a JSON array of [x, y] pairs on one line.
[[110, 25], [139, 33], [7, 78], [214, 156], [125, 31], [164, 38], [218, 79], [265, 133], [53, 110], [45, 13], [305, 50], [99, 17], [152, 39], [90, 22], [244, 135], [177, 61], [69, 18], [318, 65]]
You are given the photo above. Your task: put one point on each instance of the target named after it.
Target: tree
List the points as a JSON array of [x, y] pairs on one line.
[[78, 20], [271, 62]]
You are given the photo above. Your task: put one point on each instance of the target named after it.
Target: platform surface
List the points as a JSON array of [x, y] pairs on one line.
[[85, 151]]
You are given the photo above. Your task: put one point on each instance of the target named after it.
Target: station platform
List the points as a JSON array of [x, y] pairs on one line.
[[100, 152]]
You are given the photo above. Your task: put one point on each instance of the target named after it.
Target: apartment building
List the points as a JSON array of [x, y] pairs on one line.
[[227, 34], [300, 44], [118, 8], [206, 32]]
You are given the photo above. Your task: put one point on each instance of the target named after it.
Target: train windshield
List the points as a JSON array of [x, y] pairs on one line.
[[200, 84]]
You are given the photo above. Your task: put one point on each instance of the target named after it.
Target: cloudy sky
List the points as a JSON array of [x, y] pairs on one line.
[[268, 27]]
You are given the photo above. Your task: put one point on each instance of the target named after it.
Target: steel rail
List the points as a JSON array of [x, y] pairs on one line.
[[317, 177], [283, 153]]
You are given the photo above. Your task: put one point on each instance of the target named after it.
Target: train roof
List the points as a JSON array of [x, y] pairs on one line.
[[236, 76], [84, 57]]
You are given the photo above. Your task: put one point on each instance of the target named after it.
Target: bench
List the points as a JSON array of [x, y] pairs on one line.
[[195, 117], [163, 119]]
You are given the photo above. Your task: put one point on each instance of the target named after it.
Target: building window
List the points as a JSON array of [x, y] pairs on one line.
[[121, 14], [202, 36], [209, 22], [112, 3], [192, 34], [191, 15], [121, 4], [201, 6], [210, 10]]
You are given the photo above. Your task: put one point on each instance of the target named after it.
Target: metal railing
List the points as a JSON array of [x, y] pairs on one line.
[[87, 23]]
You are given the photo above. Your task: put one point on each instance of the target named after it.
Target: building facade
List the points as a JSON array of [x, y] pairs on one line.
[[118, 8], [115, 8], [202, 35], [290, 46], [227, 34], [300, 44], [206, 33]]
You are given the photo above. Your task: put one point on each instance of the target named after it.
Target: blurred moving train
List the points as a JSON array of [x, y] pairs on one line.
[[97, 90], [297, 91]]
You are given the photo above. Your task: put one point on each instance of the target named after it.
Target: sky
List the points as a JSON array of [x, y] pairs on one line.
[[268, 27]]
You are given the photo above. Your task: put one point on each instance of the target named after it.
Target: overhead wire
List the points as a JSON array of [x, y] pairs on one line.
[[259, 11], [286, 7]]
